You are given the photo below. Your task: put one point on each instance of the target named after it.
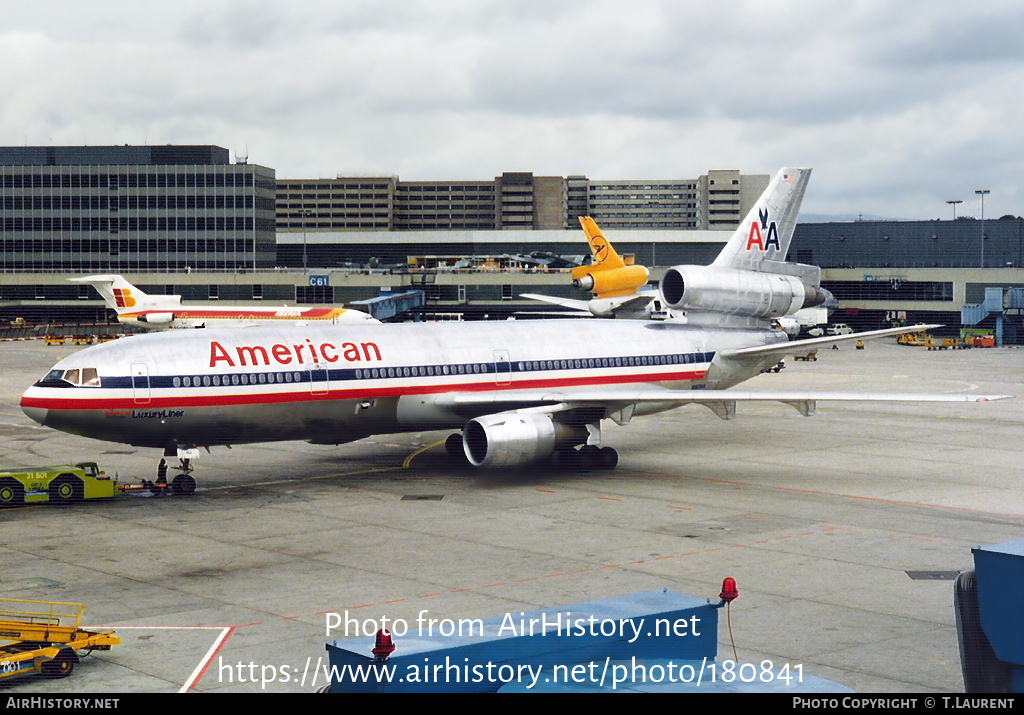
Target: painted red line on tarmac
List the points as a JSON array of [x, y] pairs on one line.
[[209, 658]]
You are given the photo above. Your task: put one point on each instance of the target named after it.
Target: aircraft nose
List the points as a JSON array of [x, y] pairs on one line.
[[36, 413]]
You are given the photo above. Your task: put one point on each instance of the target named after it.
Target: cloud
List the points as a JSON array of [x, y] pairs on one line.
[[897, 106]]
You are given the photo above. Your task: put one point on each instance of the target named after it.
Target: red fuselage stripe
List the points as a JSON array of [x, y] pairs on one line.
[[307, 395]]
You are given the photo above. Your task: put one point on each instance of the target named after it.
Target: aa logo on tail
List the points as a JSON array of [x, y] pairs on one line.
[[764, 234], [123, 298]]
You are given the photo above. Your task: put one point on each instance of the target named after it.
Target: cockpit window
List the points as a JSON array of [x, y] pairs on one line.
[[85, 376]]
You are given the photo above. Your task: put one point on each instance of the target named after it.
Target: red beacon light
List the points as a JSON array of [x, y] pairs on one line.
[[729, 591], [383, 645]]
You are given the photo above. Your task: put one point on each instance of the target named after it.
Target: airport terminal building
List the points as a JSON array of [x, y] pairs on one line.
[[188, 221], [134, 209]]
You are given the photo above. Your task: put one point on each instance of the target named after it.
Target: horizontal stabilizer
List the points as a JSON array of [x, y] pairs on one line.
[[601, 307]]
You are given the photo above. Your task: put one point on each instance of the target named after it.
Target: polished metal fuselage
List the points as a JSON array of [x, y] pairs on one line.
[[337, 383]]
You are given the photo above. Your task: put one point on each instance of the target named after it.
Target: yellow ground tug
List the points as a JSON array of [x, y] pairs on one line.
[[60, 485], [78, 483], [45, 637]]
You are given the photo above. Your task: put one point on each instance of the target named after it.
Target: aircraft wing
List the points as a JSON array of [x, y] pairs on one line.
[[798, 347], [620, 401]]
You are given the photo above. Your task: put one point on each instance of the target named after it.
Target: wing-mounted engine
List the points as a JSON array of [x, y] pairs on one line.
[[510, 439], [737, 292]]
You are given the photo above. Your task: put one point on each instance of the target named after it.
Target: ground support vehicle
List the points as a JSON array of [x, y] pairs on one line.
[[45, 637], [78, 483], [60, 485]]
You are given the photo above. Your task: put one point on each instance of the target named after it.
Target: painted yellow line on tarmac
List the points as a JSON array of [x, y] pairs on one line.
[[408, 460]]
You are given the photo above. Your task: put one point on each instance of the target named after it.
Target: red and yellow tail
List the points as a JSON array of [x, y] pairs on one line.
[[609, 275]]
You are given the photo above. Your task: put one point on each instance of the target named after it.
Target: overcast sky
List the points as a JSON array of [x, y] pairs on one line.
[[898, 106]]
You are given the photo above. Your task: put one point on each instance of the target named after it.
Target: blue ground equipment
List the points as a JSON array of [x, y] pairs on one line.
[[647, 642], [990, 619]]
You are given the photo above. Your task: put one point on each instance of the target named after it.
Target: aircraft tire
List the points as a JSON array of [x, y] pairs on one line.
[[590, 457], [568, 459], [453, 445], [12, 492], [183, 485], [609, 458]]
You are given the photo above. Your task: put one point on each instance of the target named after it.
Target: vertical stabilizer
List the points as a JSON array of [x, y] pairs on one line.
[[763, 236], [609, 276], [122, 296], [603, 253]]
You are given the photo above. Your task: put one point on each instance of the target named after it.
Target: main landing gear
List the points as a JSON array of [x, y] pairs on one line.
[[586, 458]]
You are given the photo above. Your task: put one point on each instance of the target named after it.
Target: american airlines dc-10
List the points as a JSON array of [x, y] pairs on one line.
[[518, 391]]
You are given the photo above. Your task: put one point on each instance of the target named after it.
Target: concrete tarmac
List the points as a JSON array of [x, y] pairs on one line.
[[842, 530]]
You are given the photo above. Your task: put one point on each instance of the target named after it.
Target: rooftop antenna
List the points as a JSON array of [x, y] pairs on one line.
[[242, 157]]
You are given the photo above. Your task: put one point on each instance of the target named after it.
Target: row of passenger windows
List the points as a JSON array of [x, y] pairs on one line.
[[532, 365], [260, 378]]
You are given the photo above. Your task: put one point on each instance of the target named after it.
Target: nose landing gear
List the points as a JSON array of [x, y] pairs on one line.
[[184, 484]]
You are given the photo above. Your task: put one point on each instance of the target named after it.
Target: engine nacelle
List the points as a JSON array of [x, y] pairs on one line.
[[737, 292], [510, 439], [614, 281], [156, 318]]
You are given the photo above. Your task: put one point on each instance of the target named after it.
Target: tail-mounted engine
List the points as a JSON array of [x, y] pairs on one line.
[[737, 292], [610, 282], [156, 318]]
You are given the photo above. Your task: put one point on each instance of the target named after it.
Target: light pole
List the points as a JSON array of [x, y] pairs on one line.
[[981, 193], [954, 203]]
